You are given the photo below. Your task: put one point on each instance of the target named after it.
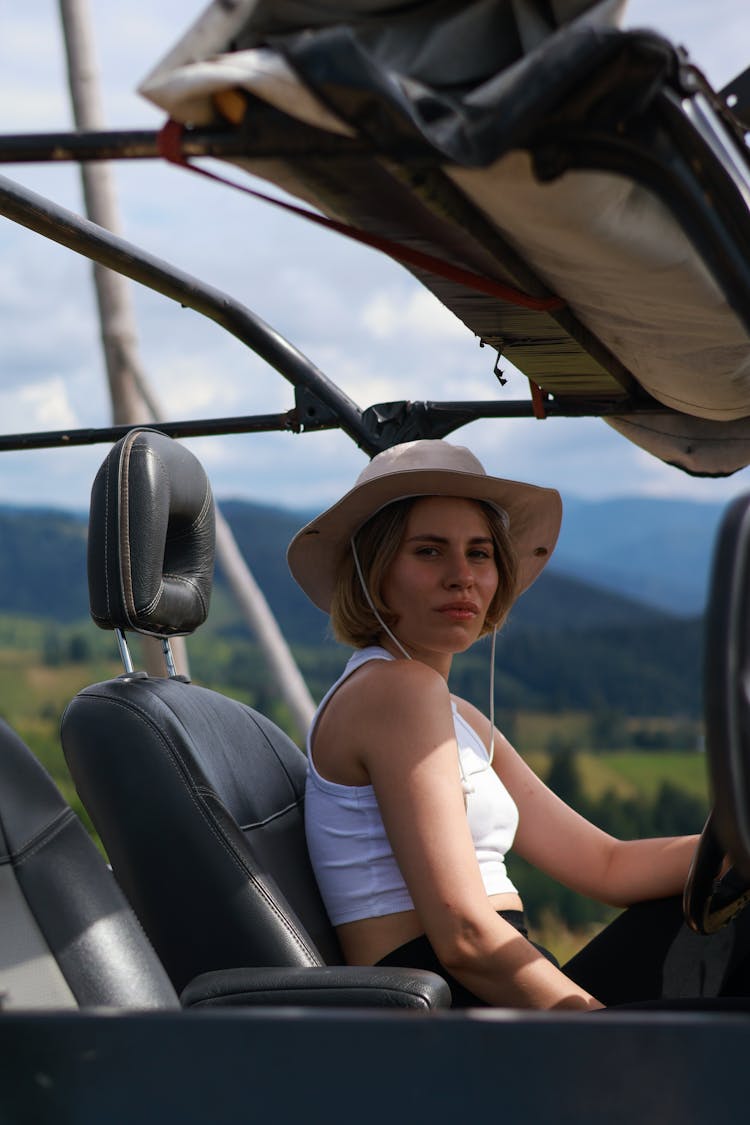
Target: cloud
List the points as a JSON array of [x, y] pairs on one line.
[[358, 316], [394, 313], [300, 472], [716, 34], [50, 477], [584, 457], [42, 406]]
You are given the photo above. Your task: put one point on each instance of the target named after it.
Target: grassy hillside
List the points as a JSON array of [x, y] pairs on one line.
[[42, 666], [568, 645], [632, 793], [33, 695], [584, 679], [633, 774]]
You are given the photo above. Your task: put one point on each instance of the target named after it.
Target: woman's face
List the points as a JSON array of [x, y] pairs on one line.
[[442, 579]]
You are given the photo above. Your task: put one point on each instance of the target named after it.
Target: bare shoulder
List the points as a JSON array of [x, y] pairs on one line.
[[375, 713], [381, 689]]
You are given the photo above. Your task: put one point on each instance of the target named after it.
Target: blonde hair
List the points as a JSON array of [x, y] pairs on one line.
[[377, 541]]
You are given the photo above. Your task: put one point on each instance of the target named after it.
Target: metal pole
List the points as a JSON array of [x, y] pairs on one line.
[[133, 400]]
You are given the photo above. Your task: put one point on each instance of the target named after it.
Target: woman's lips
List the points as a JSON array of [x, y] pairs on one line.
[[459, 611]]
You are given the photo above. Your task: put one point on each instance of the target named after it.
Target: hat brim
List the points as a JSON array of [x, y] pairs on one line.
[[534, 516]]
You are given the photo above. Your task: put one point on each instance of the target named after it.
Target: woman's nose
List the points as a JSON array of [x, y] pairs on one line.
[[459, 573]]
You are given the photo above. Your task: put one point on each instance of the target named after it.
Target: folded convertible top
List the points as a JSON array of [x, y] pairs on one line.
[[533, 144]]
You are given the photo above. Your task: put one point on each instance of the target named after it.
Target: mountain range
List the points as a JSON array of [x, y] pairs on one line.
[[567, 645], [617, 562], [654, 550], [613, 623]]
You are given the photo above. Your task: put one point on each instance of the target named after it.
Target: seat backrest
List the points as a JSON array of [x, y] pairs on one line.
[[68, 938], [198, 799]]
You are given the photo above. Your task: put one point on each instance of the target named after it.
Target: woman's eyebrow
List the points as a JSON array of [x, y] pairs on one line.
[[432, 538]]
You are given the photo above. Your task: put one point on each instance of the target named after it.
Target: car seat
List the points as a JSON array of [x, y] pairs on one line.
[[197, 797], [68, 938]]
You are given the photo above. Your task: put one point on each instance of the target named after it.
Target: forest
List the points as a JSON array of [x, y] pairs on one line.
[[601, 693]]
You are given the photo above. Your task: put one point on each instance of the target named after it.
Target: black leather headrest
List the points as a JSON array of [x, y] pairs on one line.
[[151, 538]]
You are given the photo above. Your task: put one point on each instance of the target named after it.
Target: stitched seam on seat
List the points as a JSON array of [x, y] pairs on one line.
[[269, 744], [272, 748], [123, 528], [391, 997], [205, 507], [106, 539], [275, 816], [187, 533], [257, 823], [42, 838], [186, 581], [150, 606], [213, 828], [148, 452], [199, 519]]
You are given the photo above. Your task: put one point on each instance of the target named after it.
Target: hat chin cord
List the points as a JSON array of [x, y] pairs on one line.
[[466, 784]]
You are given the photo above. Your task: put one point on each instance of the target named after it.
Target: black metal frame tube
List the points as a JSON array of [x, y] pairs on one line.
[[84, 237]]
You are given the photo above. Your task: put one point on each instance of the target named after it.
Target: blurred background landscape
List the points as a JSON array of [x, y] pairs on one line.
[[598, 671]]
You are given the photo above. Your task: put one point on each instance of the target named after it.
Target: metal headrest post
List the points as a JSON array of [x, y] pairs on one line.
[[168, 658], [125, 656]]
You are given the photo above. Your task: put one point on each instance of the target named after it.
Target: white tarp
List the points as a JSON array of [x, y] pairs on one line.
[[625, 267], [602, 242]]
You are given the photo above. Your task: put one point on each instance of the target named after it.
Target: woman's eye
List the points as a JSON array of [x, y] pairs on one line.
[[427, 551]]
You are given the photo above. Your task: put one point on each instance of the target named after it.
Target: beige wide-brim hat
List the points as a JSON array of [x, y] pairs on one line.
[[423, 468]]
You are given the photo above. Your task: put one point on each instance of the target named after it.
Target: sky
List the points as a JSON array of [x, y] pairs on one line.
[[361, 319]]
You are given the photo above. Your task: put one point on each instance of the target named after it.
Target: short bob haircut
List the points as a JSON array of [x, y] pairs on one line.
[[352, 620]]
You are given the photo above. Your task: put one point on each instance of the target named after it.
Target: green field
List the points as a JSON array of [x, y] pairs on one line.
[[37, 682], [633, 773], [33, 695]]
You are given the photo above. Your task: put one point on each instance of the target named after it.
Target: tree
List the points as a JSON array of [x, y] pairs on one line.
[[79, 648], [564, 778], [52, 648], [607, 730]]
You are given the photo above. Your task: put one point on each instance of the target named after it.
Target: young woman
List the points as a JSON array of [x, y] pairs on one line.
[[413, 797]]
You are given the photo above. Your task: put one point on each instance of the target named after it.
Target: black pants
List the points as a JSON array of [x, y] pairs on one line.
[[646, 957]]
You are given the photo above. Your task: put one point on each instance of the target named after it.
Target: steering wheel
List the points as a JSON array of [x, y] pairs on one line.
[[711, 899]]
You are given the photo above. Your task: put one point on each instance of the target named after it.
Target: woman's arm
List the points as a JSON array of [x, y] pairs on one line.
[[405, 740], [561, 842]]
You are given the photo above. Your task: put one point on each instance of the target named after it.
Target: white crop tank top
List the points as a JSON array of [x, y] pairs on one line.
[[352, 859]]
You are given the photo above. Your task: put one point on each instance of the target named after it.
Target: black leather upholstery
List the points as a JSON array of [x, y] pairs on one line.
[[151, 538], [198, 798], [342, 985], [69, 938]]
